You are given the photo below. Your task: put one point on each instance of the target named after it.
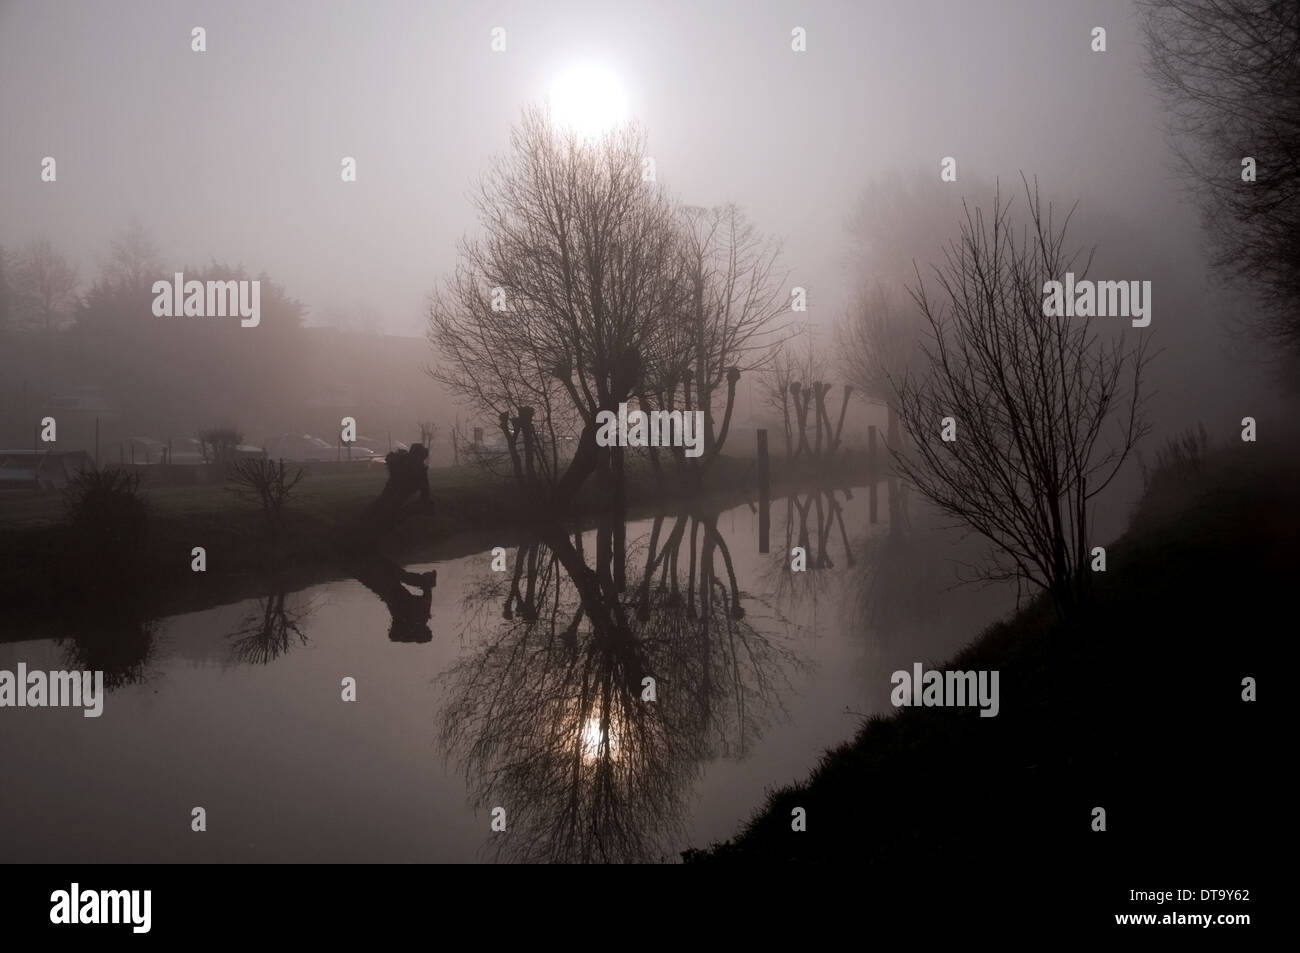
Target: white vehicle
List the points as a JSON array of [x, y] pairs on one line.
[[302, 448]]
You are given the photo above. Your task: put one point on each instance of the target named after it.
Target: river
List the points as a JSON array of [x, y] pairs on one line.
[[594, 715]]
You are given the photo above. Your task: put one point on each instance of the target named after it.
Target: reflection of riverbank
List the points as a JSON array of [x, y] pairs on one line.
[[548, 716], [246, 697], [473, 515]]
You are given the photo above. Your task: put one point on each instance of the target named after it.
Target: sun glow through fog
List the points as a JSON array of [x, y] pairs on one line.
[[588, 99], [596, 743]]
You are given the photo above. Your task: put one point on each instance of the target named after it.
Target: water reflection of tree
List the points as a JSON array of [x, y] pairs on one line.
[[911, 591], [409, 612], [105, 602], [272, 629], [120, 641], [546, 713], [276, 625], [813, 520]]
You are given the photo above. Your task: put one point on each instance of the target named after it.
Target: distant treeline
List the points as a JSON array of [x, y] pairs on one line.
[[100, 352]]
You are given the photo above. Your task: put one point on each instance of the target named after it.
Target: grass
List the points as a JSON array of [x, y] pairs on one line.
[[1137, 709], [473, 511]]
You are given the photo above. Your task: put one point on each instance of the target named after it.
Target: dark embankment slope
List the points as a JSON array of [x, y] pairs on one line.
[[1138, 710]]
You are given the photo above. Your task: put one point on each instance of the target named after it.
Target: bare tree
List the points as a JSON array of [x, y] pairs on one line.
[[46, 283], [428, 432], [553, 310], [793, 385], [1046, 410], [1230, 74], [267, 483], [793, 362], [813, 398], [727, 325], [896, 222], [900, 220], [877, 342], [133, 257]]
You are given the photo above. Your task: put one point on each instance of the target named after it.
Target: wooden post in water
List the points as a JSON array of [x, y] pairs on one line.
[[764, 495]]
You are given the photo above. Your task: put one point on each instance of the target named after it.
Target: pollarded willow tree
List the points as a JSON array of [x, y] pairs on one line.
[[728, 325], [1046, 409], [796, 362], [794, 384], [552, 313], [877, 342], [589, 287]]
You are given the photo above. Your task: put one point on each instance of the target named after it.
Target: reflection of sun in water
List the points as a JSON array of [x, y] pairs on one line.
[[588, 99], [593, 737]]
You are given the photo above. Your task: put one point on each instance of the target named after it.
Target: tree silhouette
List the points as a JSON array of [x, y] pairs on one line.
[[555, 307], [1230, 75], [1047, 411], [45, 283], [547, 712]]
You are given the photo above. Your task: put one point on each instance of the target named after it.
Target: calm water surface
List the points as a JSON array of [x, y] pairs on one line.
[[522, 693]]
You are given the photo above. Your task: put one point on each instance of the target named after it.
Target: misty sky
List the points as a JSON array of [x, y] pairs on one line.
[[234, 154]]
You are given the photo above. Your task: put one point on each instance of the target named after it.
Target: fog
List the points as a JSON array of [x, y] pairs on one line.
[[420, 414], [233, 155]]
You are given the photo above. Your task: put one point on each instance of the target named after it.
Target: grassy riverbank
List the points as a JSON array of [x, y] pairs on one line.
[[473, 512], [1137, 709]]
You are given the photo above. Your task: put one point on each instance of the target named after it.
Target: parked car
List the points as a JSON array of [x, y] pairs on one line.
[[358, 453], [378, 447], [366, 449], [301, 448]]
